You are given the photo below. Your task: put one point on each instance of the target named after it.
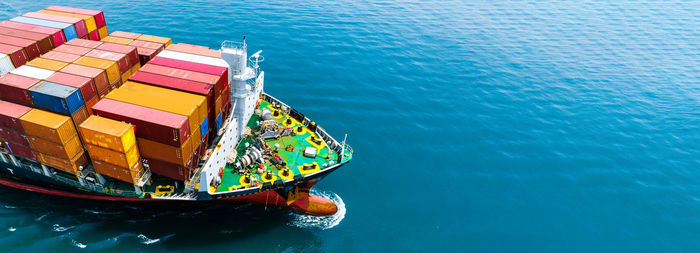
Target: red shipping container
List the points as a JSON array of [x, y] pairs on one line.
[[126, 35], [10, 114], [205, 144], [213, 80], [60, 56], [132, 54], [99, 16], [14, 137], [192, 49], [17, 55], [121, 59], [98, 76], [192, 66], [30, 47], [176, 84], [57, 35], [164, 127], [90, 104], [21, 151], [15, 88], [43, 40], [86, 86], [84, 43], [75, 50], [170, 170], [94, 35], [79, 24], [145, 54]]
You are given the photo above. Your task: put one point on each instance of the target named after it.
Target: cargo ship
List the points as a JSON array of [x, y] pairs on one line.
[[125, 117]]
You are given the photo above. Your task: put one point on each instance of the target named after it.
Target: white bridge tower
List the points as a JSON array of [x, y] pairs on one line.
[[246, 81]]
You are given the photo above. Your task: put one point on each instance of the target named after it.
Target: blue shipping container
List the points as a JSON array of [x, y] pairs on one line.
[[204, 127], [219, 121], [68, 29], [56, 98]]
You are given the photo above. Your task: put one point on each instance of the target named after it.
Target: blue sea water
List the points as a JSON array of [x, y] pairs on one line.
[[478, 126]]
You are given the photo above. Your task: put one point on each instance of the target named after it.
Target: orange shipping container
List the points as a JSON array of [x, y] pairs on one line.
[[118, 40], [48, 64], [124, 174], [121, 159], [108, 133], [110, 67], [68, 165], [177, 155], [103, 32], [79, 116], [64, 151], [50, 126], [218, 105], [160, 40]]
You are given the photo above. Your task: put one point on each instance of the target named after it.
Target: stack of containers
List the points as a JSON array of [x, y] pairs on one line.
[[67, 30], [147, 45], [30, 47], [94, 20], [12, 132], [16, 55], [154, 125], [180, 155], [57, 36], [61, 99], [15, 88], [43, 40], [54, 140], [112, 148]]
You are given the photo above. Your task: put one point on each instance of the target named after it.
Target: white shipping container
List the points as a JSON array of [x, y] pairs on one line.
[[193, 58], [5, 64], [33, 72]]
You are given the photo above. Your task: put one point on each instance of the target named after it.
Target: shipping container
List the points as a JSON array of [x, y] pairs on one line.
[[68, 165], [178, 155], [33, 72], [94, 35], [218, 105], [99, 16], [17, 55], [172, 101], [84, 43], [116, 172], [68, 29], [50, 126], [127, 35], [122, 159], [75, 50], [219, 122], [214, 80], [117, 40], [5, 64], [89, 20], [152, 124], [14, 137], [78, 23], [90, 104], [103, 32], [30, 47], [156, 39], [147, 44], [167, 169], [98, 76], [10, 114], [79, 116], [21, 151], [43, 40], [15, 88], [60, 56], [65, 151], [110, 67], [120, 59], [56, 34], [192, 66], [84, 84], [145, 54], [108, 133], [194, 58], [173, 83], [132, 55], [56, 98], [192, 49], [47, 64]]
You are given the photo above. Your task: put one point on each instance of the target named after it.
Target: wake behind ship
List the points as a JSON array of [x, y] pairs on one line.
[[122, 116]]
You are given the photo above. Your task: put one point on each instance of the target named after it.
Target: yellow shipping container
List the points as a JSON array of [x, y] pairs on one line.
[[64, 151], [121, 159], [48, 64], [111, 67], [135, 68], [89, 20], [68, 165], [159, 151], [118, 40], [162, 40], [182, 103], [108, 133], [49, 126], [103, 32]]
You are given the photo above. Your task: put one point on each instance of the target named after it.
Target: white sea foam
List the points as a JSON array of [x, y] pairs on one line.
[[12, 229], [317, 222], [78, 244], [58, 228], [147, 241], [40, 218]]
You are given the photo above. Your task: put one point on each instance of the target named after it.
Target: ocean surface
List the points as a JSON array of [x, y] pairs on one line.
[[478, 126]]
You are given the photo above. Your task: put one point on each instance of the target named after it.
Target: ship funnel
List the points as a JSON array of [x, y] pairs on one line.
[[236, 55]]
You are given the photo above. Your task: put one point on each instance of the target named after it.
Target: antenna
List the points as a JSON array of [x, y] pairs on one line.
[[256, 58]]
